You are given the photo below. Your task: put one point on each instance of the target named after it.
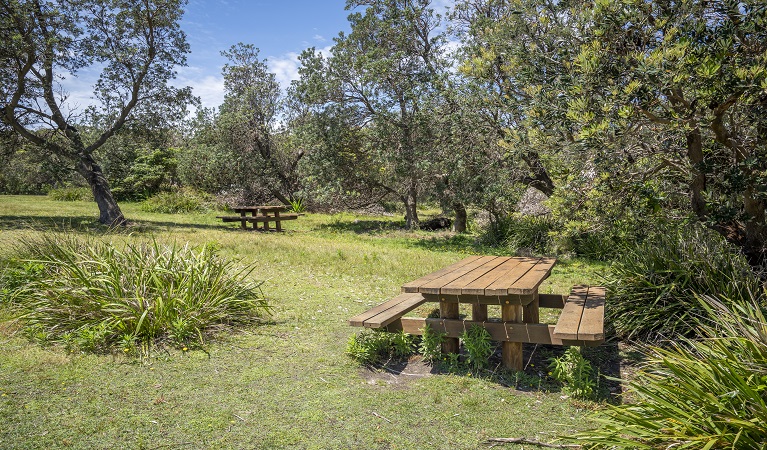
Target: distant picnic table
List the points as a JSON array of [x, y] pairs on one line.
[[262, 214], [510, 282]]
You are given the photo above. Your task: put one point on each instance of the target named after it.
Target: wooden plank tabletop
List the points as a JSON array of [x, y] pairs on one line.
[[485, 276]]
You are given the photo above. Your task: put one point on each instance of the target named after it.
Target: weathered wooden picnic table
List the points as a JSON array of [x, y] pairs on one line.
[[510, 282], [260, 214]]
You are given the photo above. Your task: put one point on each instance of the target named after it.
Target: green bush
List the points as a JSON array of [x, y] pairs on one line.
[[653, 287], [698, 394], [92, 296], [178, 202], [71, 194], [575, 374], [476, 341], [431, 344], [370, 347]]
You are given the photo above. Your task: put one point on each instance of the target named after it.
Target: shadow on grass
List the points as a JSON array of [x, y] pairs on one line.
[[605, 360], [362, 226], [91, 224]]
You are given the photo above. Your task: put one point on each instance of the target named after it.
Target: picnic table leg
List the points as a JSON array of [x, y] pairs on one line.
[[277, 221], [266, 222], [449, 311], [478, 312], [243, 222], [512, 351], [531, 311], [255, 224]]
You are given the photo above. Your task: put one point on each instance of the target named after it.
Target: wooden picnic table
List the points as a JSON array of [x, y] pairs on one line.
[[510, 282], [260, 214]]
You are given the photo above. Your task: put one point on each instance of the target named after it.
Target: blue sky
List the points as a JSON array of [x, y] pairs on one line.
[[280, 29]]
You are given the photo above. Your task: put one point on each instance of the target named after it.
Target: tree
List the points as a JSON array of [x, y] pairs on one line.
[[251, 115], [381, 76], [690, 79], [136, 45], [516, 57]]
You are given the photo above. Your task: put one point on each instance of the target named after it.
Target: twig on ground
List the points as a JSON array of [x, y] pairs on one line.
[[530, 442], [381, 417]]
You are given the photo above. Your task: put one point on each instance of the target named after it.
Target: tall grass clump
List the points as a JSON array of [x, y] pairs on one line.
[[707, 393], [653, 287], [93, 296], [178, 202], [71, 194]]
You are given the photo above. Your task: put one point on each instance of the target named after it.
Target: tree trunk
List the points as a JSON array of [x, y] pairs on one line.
[[109, 212], [411, 214], [459, 225]]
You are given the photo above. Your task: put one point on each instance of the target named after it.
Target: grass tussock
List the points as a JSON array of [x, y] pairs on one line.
[[94, 296], [698, 394], [653, 288]]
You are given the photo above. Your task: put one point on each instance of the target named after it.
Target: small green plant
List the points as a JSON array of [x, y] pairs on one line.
[[476, 341], [431, 344], [298, 205], [370, 347], [71, 194], [576, 374]]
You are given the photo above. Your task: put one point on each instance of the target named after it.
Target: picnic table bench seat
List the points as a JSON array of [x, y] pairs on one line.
[[382, 315], [257, 219], [583, 315]]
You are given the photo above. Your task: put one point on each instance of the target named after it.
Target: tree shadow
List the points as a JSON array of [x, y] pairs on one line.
[[363, 226], [90, 224], [535, 376]]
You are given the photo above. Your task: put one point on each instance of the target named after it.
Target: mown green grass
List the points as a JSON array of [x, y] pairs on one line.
[[287, 384]]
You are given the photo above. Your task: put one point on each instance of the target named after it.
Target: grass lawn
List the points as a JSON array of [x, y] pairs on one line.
[[286, 384]]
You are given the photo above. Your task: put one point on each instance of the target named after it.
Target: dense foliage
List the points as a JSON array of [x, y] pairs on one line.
[[654, 286]]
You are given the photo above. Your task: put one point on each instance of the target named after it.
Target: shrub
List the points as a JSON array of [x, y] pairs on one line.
[[652, 288], [575, 373], [71, 194], [178, 202], [431, 344], [698, 394], [476, 341], [370, 347], [92, 296]]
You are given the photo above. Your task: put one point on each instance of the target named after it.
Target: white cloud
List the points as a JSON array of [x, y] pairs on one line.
[[210, 89], [319, 38], [285, 67]]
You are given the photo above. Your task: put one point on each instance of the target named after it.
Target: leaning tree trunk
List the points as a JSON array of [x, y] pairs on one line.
[[411, 213], [109, 212], [459, 225]]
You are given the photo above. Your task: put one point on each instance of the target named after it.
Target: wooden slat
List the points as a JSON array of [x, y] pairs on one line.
[[414, 285], [257, 218], [502, 284], [477, 287], [499, 331], [456, 287], [359, 319], [407, 303], [592, 327], [529, 282], [434, 286], [570, 318]]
